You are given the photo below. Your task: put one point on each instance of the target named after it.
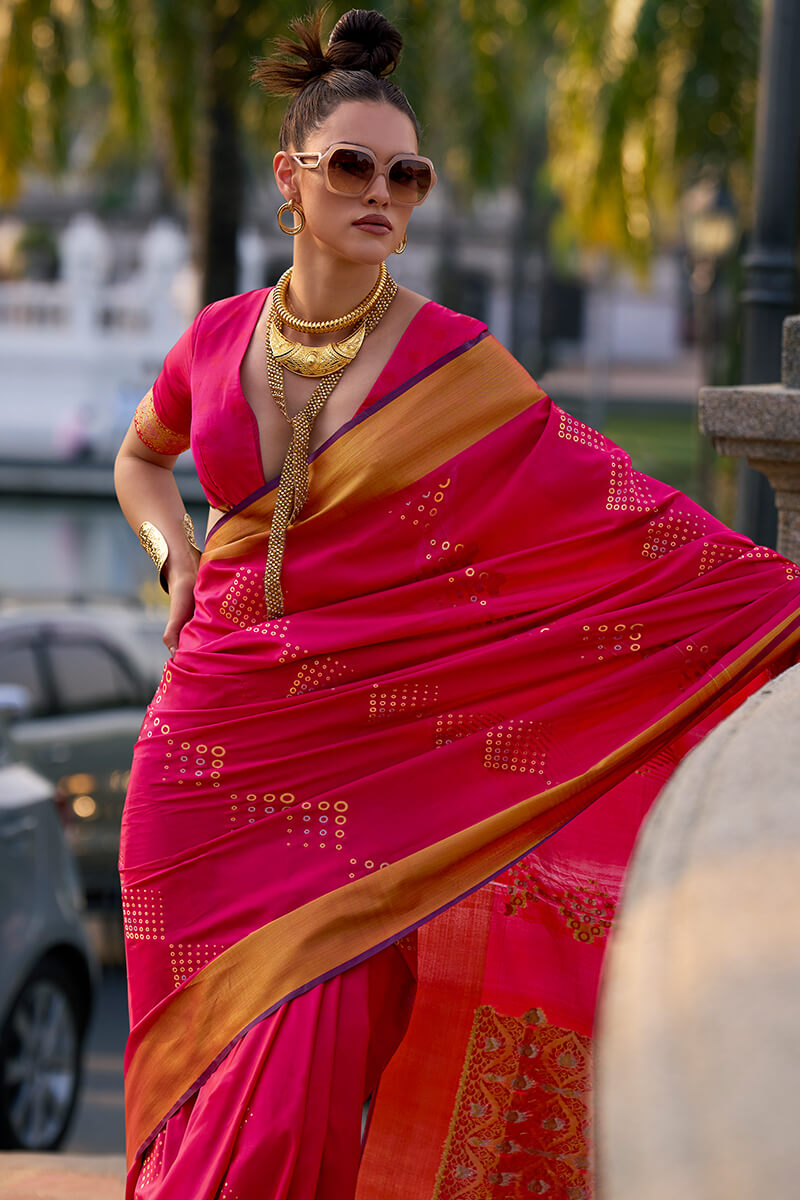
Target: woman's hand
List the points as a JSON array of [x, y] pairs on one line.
[[147, 491], [181, 601]]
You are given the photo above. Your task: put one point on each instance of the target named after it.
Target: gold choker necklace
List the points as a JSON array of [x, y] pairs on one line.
[[286, 317], [317, 361]]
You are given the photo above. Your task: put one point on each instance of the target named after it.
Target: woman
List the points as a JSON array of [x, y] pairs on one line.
[[399, 675]]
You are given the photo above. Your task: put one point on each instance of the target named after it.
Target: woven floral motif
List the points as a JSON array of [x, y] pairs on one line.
[[765, 553], [143, 914], [586, 909], [570, 429], [628, 490], [445, 557], [450, 726], [152, 430], [472, 585], [322, 672], [187, 958], [516, 745], [393, 702], [715, 554], [422, 510], [667, 533], [602, 640], [243, 603], [520, 1124], [152, 1161]]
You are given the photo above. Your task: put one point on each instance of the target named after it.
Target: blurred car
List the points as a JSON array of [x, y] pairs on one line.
[[47, 971], [90, 673]]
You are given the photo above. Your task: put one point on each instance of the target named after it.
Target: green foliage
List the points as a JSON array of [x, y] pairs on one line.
[[130, 74], [474, 73], [649, 95]]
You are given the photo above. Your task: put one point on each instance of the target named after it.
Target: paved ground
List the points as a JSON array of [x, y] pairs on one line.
[[61, 1177]]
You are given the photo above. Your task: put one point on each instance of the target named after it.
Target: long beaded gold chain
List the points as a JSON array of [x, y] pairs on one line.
[[294, 478]]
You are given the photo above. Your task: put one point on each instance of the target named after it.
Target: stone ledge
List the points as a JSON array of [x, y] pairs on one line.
[[790, 356], [61, 1176], [698, 1053], [759, 414]]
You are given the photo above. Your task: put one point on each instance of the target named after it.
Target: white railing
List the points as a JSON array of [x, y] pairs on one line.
[[76, 355]]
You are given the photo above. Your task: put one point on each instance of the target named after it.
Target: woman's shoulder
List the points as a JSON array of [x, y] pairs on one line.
[[437, 319], [238, 306]]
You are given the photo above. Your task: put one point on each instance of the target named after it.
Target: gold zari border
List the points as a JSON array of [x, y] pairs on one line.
[[153, 432], [419, 430]]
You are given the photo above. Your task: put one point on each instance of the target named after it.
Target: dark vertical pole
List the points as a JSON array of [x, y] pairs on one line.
[[770, 292], [219, 165]]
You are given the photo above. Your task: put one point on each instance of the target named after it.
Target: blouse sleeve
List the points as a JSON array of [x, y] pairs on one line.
[[163, 418]]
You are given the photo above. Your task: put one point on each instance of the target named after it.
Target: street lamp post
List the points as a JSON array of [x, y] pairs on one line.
[[710, 231]]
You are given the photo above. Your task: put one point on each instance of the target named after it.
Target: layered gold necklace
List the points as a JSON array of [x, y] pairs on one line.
[[293, 485], [317, 361]]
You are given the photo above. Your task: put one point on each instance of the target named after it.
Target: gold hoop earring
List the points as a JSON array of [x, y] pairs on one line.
[[296, 210], [399, 249]]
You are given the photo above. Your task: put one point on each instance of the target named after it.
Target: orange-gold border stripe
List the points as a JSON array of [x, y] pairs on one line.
[[416, 432]]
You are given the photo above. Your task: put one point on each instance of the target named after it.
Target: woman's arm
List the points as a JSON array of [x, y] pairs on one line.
[[147, 491]]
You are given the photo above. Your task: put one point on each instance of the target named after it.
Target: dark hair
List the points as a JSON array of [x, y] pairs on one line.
[[363, 48]]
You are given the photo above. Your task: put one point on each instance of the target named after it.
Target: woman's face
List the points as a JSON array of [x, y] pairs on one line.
[[365, 228]]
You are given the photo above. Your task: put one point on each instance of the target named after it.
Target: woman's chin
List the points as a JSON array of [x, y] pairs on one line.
[[371, 254]]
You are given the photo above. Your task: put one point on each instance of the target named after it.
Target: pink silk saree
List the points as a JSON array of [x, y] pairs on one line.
[[428, 774]]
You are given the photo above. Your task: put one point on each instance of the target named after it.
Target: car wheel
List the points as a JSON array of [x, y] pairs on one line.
[[40, 1060]]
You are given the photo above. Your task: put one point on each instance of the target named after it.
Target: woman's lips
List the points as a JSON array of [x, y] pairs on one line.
[[373, 225]]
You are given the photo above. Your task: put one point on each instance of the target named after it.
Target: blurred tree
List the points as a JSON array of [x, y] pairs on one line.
[[648, 96], [167, 81], [476, 76], [613, 104]]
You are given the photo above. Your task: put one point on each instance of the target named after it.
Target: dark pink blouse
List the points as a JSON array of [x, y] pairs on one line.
[[198, 400]]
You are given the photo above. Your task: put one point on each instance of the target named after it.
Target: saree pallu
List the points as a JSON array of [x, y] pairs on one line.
[[498, 641]]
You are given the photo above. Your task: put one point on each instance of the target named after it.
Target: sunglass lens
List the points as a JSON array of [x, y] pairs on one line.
[[349, 171], [410, 180]]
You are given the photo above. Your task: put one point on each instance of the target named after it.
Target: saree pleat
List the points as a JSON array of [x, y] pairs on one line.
[[281, 1116], [499, 640]]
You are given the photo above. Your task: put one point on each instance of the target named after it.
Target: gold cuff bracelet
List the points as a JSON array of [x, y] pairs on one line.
[[188, 529], [155, 544]]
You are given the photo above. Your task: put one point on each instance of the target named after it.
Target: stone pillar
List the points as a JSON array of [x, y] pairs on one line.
[[164, 253], [761, 423]]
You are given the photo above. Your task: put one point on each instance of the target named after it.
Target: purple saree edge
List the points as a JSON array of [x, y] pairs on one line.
[[360, 416], [749, 668]]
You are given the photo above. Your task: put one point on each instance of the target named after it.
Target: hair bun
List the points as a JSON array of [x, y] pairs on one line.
[[363, 40]]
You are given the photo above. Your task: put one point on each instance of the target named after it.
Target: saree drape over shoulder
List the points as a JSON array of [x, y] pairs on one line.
[[498, 640]]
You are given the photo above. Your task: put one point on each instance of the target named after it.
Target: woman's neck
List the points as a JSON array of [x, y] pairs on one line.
[[323, 287]]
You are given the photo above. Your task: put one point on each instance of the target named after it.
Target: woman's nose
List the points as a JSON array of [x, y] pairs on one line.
[[378, 190]]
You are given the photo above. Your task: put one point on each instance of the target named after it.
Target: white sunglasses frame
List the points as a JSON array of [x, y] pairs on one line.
[[321, 157]]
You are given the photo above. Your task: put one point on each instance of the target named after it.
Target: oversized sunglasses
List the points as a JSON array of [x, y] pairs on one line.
[[349, 170]]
